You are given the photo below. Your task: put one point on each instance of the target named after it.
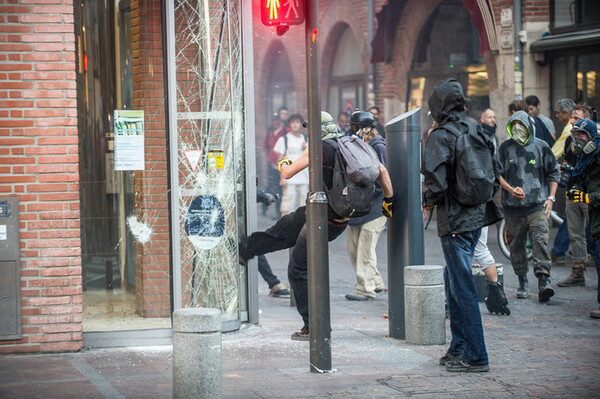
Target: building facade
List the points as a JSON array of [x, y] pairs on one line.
[[107, 248]]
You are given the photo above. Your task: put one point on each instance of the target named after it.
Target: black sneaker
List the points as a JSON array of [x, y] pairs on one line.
[[448, 357], [462, 366]]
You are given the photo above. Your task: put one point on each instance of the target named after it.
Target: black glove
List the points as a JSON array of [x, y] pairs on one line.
[[388, 207]]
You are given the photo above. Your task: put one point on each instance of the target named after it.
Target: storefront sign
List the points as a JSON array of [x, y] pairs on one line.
[[129, 140], [205, 222]]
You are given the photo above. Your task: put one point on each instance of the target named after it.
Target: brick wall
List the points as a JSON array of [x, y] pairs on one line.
[[39, 164]]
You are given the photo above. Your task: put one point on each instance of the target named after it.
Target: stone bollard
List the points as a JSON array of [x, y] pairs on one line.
[[424, 298], [197, 353]]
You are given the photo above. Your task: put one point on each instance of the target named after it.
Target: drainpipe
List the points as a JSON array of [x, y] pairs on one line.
[[518, 51], [371, 69]]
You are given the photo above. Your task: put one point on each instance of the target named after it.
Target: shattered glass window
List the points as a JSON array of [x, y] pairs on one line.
[[210, 151]]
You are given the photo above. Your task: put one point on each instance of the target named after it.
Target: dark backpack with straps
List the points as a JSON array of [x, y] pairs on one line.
[[475, 171], [347, 197]]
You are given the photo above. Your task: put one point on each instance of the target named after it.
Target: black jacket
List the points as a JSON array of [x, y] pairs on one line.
[[447, 107]]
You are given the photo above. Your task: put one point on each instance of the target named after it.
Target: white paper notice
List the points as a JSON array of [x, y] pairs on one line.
[[129, 140], [3, 235]]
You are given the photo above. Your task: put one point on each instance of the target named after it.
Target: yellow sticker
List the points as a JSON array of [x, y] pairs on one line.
[[216, 159]]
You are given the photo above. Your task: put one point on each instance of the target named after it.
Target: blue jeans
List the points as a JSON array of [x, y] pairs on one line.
[[463, 307], [597, 256], [266, 272], [562, 240]]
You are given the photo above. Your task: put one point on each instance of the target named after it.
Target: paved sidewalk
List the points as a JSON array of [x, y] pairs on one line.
[[540, 350]]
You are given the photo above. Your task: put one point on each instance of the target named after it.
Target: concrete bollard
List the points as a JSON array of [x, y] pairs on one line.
[[424, 298], [197, 353]]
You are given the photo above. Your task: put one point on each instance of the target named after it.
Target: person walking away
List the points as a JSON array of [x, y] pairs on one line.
[[586, 142], [528, 161], [363, 232], [459, 227], [495, 300], [290, 230], [291, 146]]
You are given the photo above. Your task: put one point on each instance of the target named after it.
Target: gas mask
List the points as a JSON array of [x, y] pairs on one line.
[[579, 146], [520, 134]]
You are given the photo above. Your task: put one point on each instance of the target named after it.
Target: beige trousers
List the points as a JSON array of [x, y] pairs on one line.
[[362, 241]]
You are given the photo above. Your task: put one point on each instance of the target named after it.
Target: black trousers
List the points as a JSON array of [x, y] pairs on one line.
[[290, 231]]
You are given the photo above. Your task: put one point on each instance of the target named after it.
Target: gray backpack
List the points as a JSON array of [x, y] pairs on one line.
[[347, 197], [362, 163]]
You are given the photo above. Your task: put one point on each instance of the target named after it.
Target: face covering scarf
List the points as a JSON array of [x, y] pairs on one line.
[[520, 134]]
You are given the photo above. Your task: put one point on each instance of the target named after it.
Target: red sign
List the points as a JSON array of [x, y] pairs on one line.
[[282, 12]]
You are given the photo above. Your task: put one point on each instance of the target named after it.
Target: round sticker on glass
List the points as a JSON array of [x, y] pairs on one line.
[[205, 221]]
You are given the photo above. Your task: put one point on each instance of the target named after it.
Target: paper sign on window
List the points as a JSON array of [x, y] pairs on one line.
[[129, 140]]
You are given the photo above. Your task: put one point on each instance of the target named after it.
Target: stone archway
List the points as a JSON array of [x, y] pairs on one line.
[[414, 17]]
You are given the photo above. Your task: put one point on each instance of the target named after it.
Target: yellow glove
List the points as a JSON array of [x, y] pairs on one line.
[[388, 207], [283, 161], [577, 196]]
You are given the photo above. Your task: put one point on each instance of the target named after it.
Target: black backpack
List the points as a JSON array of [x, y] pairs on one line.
[[346, 197], [475, 170]]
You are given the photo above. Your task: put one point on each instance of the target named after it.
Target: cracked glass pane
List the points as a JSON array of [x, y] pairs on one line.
[[210, 151]]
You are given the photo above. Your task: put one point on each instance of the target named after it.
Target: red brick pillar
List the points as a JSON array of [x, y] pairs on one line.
[[39, 164], [151, 202]]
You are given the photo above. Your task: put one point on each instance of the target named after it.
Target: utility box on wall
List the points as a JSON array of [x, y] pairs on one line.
[[10, 278]]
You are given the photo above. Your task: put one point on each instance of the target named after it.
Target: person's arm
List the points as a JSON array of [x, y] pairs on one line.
[[385, 181], [549, 203], [288, 171], [387, 208]]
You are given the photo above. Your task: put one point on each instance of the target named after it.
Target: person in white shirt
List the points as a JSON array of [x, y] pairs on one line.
[[291, 146]]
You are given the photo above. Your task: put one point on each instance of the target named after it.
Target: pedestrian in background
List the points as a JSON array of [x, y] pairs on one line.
[[342, 123], [459, 227], [529, 178], [378, 117], [275, 132], [586, 142], [535, 109], [291, 145], [363, 232], [576, 212], [495, 301]]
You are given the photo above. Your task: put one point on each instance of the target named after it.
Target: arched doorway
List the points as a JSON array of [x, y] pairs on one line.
[[346, 78], [281, 91], [448, 47]]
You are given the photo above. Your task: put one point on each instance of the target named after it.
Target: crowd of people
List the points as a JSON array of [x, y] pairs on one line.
[[529, 166]]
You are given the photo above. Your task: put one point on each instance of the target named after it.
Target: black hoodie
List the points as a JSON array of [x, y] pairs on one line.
[[447, 104]]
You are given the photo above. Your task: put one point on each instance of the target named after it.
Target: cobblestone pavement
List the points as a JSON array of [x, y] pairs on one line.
[[540, 350]]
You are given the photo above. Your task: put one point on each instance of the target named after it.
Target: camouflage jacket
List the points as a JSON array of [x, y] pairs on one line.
[[530, 167]]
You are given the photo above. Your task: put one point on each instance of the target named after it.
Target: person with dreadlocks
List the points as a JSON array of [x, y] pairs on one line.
[[363, 232]]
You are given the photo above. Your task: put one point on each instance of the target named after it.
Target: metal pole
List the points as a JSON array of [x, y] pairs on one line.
[[316, 208], [518, 51], [406, 238]]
